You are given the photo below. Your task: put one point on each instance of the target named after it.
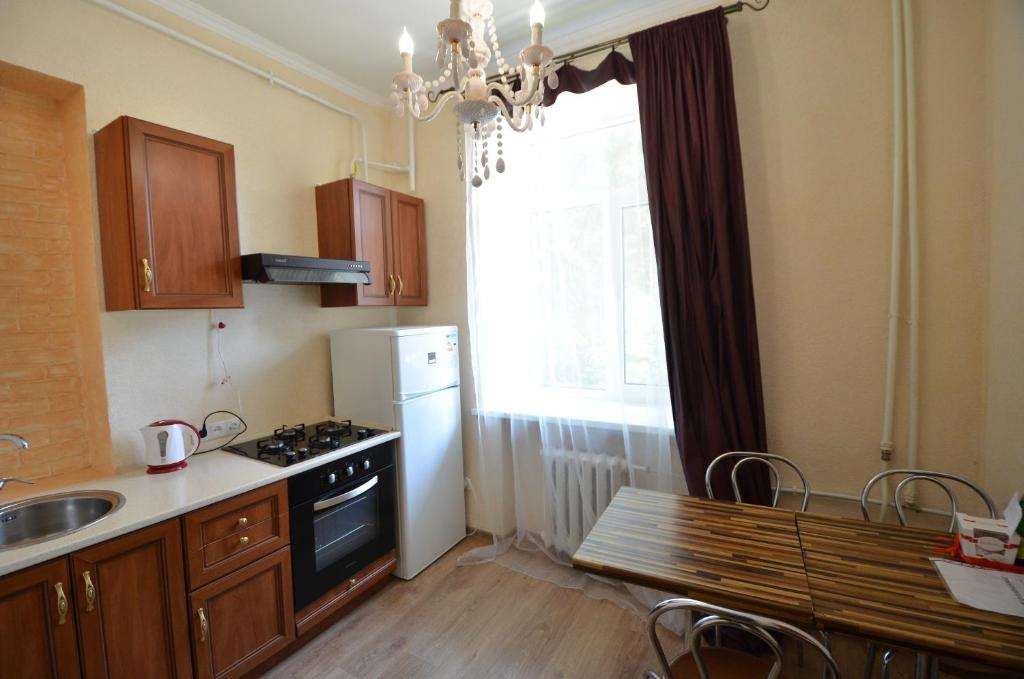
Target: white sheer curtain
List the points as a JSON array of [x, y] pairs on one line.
[[566, 334]]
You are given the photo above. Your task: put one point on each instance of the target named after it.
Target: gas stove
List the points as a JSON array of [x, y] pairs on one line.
[[295, 443]]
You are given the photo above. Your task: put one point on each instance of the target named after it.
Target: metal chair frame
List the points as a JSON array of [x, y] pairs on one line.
[[762, 458], [937, 478], [718, 617], [924, 666]]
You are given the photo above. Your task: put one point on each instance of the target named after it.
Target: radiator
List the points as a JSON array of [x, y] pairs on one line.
[[578, 487]]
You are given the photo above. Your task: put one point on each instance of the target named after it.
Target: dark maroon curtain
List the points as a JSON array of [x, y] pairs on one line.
[[576, 80], [698, 211]]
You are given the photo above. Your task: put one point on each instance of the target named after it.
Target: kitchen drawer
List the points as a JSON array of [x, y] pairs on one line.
[[239, 543], [213, 523], [242, 619], [309, 619], [218, 541]]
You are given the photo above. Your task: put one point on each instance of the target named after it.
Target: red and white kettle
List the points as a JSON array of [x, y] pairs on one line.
[[169, 443]]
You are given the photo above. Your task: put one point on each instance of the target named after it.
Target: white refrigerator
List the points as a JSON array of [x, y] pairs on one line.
[[407, 379]]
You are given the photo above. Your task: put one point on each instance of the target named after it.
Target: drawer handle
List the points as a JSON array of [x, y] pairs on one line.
[[352, 581], [204, 627], [90, 592], [62, 604], [243, 522], [244, 540]]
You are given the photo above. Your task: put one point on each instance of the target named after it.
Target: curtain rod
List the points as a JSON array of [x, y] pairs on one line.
[[618, 42], [563, 59]]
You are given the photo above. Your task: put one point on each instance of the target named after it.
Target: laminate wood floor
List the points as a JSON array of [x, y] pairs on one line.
[[487, 621]]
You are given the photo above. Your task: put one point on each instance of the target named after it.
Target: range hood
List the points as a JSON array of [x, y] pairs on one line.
[[266, 268]]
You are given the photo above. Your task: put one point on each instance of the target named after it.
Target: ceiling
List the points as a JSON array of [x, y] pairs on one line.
[[353, 44]]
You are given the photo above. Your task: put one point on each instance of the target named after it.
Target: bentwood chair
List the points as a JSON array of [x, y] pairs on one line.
[[767, 459], [719, 662], [947, 483]]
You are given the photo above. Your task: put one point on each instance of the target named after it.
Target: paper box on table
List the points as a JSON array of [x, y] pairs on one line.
[[991, 539]]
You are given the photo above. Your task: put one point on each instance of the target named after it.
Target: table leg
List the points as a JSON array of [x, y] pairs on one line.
[[921, 663]]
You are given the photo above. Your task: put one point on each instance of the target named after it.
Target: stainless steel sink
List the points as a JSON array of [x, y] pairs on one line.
[[52, 516]]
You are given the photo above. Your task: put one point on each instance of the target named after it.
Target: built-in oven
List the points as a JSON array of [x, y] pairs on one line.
[[342, 517]]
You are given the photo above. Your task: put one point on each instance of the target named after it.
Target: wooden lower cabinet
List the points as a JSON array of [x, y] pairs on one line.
[[130, 606], [37, 623], [244, 618]]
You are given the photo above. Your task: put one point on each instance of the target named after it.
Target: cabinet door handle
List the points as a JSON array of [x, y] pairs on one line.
[[401, 285], [90, 592], [62, 604], [147, 276], [204, 627], [391, 285]]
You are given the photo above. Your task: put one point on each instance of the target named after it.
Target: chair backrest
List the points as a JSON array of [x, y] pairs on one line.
[[939, 479], [766, 459], [717, 617]]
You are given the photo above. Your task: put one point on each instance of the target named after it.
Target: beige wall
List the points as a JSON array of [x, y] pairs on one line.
[[813, 90], [162, 364], [1004, 461], [813, 86]]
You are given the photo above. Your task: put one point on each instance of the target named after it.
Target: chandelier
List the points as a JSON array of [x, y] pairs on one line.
[[466, 43]]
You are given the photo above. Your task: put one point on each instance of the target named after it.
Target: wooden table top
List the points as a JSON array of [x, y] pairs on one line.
[[742, 556], [875, 580]]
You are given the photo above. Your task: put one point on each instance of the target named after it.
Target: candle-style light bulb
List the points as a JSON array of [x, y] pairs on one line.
[[537, 15], [405, 45], [536, 23]]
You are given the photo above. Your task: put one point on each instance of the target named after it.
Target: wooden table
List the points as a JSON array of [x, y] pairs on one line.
[[736, 555], [875, 581], [847, 576]]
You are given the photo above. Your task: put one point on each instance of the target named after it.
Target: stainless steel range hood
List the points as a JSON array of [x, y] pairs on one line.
[[266, 268]]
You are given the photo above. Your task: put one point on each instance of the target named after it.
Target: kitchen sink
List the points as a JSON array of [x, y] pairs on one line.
[[47, 517]]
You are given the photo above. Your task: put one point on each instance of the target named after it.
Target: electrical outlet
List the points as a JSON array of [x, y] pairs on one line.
[[223, 429]]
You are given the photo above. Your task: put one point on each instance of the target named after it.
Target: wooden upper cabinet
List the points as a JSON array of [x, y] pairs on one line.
[[37, 623], [131, 606], [361, 221], [168, 218], [409, 235]]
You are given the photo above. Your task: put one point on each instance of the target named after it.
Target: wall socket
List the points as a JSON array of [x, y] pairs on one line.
[[223, 429]]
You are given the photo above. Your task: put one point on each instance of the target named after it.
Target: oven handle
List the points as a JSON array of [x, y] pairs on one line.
[[355, 492]]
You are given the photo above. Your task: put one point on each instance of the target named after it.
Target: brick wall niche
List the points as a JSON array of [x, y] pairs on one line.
[[52, 388]]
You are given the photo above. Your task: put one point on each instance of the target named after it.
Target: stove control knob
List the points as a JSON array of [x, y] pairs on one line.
[[350, 470], [366, 465], [362, 434], [332, 478]]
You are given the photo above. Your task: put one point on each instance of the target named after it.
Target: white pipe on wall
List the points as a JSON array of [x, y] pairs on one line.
[[273, 80], [913, 243], [898, 90], [410, 168]]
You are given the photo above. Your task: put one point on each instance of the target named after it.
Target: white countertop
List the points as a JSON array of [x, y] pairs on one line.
[[151, 498]]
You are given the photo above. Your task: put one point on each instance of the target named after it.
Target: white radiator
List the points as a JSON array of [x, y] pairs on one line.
[[578, 487]]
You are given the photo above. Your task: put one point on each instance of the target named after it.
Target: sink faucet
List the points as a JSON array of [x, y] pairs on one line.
[[15, 439], [21, 443]]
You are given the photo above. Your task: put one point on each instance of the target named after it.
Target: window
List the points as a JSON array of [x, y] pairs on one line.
[[565, 287]]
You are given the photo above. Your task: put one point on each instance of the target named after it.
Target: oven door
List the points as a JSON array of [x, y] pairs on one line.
[[340, 533]]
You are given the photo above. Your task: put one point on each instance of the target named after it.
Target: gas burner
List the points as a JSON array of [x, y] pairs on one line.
[[335, 428], [271, 446], [323, 441], [291, 434]]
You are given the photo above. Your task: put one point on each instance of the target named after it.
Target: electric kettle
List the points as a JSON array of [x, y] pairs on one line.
[[168, 444]]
